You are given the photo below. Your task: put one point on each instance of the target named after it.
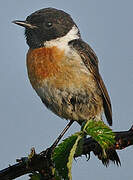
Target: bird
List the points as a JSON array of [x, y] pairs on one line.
[[63, 69]]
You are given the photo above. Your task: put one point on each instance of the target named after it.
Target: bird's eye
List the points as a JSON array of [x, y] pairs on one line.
[[49, 24]]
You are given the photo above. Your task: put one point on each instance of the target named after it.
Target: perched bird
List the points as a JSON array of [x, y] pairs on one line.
[[63, 69]]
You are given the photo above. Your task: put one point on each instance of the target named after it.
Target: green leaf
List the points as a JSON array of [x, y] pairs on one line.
[[101, 133], [63, 156]]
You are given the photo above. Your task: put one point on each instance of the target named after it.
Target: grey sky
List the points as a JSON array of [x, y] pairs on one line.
[[108, 27]]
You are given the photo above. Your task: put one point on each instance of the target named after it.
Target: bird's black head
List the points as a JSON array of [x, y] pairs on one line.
[[45, 25]]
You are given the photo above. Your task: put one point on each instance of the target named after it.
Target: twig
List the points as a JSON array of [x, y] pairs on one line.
[[42, 163]]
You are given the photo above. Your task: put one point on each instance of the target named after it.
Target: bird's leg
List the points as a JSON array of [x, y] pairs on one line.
[[61, 135], [48, 152]]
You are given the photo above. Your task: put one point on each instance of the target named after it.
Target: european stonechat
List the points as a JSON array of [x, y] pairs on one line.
[[63, 69]]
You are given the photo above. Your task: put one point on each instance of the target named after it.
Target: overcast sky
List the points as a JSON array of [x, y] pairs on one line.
[[24, 121]]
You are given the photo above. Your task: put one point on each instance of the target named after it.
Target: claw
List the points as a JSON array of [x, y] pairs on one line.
[[87, 156], [47, 153]]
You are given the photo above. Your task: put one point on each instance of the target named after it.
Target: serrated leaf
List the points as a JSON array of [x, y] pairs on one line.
[[60, 156], [101, 133], [63, 155]]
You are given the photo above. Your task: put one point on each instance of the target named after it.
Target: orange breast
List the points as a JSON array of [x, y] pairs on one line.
[[43, 63]]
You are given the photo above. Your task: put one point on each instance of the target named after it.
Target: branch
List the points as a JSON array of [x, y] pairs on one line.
[[42, 162], [123, 139]]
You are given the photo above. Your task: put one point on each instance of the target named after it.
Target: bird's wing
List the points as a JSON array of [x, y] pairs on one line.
[[91, 62]]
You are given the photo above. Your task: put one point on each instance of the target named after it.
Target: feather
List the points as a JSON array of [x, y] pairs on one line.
[[90, 60]]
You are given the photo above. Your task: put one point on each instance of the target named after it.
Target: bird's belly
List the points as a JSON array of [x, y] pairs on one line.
[[64, 84], [75, 99]]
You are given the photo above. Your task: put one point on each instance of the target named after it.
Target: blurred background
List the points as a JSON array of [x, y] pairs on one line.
[[24, 121]]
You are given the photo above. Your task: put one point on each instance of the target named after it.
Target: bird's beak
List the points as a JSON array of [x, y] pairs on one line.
[[24, 24]]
